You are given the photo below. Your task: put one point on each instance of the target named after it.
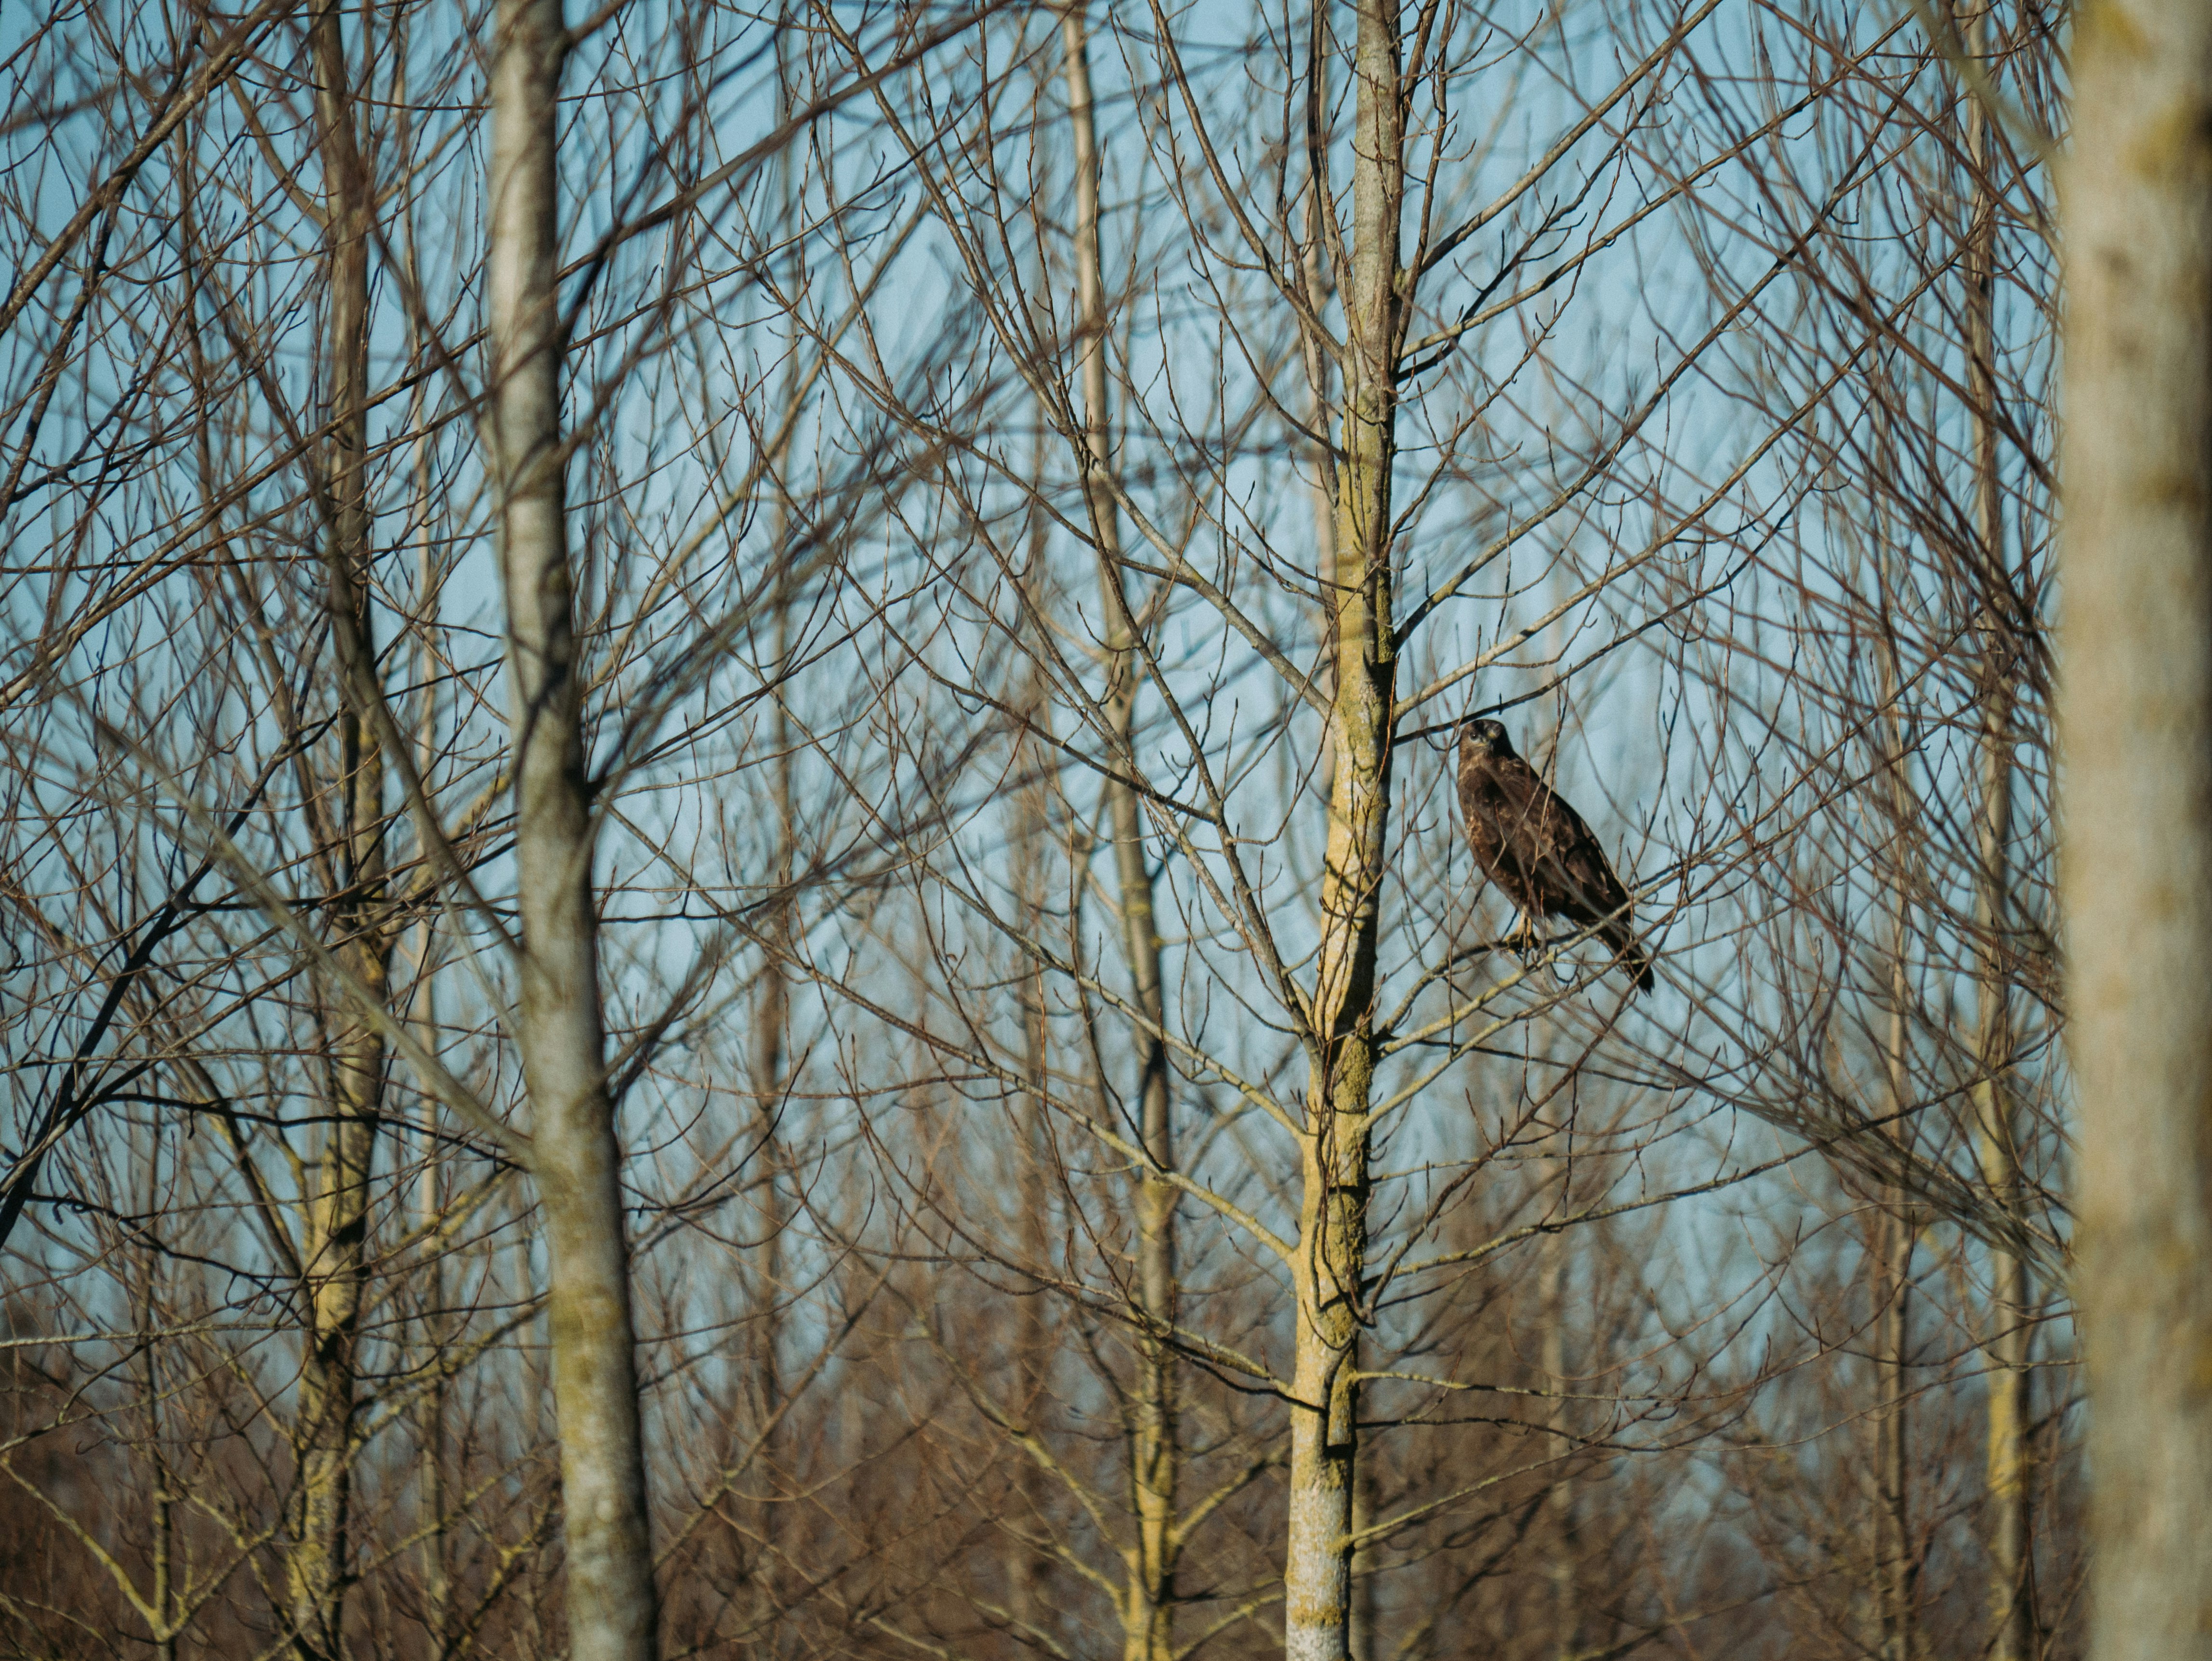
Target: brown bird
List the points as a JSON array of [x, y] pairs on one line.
[[1537, 848]]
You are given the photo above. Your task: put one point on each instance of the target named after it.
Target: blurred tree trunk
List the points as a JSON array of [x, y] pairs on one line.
[[433, 1324], [1566, 1599], [559, 1021], [1028, 1568], [1895, 1569], [770, 1057], [1148, 1616], [162, 1551], [1896, 1230], [2136, 855], [2012, 1605], [1332, 1221]]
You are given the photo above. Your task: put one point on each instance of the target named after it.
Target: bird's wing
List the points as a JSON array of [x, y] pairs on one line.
[[1576, 869], [1497, 819], [1529, 811]]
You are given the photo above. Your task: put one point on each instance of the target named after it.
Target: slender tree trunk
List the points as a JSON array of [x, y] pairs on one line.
[[1333, 1207], [2012, 1606], [433, 1327], [1896, 1566], [334, 1242], [1566, 1603], [560, 1024], [2011, 1495], [1148, 1614], [771, 1026], [772, 1014], [430, 1413], [2136, 809], [161, 1592], [1028, 1567], [1895, 1570]]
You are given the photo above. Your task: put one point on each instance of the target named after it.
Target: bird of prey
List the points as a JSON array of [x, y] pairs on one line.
[[1537, 848]]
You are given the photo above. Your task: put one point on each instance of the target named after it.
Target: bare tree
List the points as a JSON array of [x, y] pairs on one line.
[[1297, 930], [880, 599], [1155, 1454], [559, 1026]]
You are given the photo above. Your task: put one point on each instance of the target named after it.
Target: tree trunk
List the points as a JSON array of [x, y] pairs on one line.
[[161, 1548], [430, 1413], [1333, 1212], [1148, 1612], [1028, 1567], [771, 1026], [1895, 1569], [2136, 852], [334, 1242], [435, 1326], [559, 1022], [1566, 1597], [2011, 1607]]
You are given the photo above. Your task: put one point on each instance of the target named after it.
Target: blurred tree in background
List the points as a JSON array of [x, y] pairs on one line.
[[735, 923]]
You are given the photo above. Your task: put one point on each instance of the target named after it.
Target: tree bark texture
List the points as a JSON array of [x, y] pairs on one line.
[[1148, 1605], [560, 1024], [1333, 1210], [2135, 810]]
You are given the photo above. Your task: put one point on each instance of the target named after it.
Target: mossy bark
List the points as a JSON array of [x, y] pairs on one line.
[[1334, 1149]]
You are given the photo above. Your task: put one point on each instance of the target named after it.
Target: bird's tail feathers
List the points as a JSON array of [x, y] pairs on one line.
[[1633, 956]]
